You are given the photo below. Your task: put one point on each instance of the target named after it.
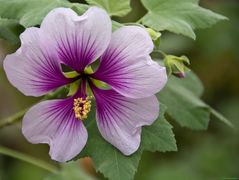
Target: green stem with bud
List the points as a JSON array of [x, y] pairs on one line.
[[160, 52]]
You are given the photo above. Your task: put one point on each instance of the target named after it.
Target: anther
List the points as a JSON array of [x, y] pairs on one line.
[[82, 107]]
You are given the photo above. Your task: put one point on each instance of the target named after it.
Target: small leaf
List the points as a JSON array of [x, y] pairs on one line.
[[180, 17], [113, 7]]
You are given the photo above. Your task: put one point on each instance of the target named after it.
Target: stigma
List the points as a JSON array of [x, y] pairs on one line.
[[82, 107]]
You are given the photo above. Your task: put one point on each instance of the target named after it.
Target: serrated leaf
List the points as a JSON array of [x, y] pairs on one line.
[[113, 7], [159, 136], [31, 12], [180, 17], [70, 171], [10, 30], [116, 166], [181, 96]]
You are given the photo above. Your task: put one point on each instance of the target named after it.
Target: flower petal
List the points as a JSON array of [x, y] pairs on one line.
[[120, 119], [53, 122], [34, 69], [79, 39], [127, 67]]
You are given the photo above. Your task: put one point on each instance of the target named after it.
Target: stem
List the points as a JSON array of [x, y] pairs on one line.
[[161, 52], [12, 119], [19, 115], [221, 118], [34, 161]]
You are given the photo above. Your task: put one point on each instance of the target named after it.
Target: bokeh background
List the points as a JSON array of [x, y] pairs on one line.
[[212, 154]]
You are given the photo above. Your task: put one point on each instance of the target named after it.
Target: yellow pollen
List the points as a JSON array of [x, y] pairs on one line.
[[82, 107]]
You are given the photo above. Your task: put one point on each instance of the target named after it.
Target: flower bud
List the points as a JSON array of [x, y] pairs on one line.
[[176, 65], [155, 36]]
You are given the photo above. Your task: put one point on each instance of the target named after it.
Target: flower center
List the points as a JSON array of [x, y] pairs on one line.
[[82, 107]]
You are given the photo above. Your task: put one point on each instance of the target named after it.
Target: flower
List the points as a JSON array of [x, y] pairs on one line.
[[77, 41]]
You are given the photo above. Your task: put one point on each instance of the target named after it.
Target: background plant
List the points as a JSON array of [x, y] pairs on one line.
[[180, 98]]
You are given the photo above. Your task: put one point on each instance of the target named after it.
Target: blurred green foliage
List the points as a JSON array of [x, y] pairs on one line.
[[202, 155]]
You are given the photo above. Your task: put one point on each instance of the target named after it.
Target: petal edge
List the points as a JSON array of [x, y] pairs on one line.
[[127, 66], [120, 119], [53, 122]]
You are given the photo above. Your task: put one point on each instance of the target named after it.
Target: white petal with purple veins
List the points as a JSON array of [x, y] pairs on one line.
[[120, 119], [53, 122], [127, 67], [80, 40], [35, 69]]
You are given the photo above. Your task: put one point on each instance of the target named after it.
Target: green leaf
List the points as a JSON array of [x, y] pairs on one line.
[[180, 17], [31, 12], [159, 136], [70, 171], [10, 30], [113, 7], [192, 83], [181, 96], [108, 160], [116, 166]]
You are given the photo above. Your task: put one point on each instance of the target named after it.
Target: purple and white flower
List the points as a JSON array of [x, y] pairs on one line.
[[125, 65]]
